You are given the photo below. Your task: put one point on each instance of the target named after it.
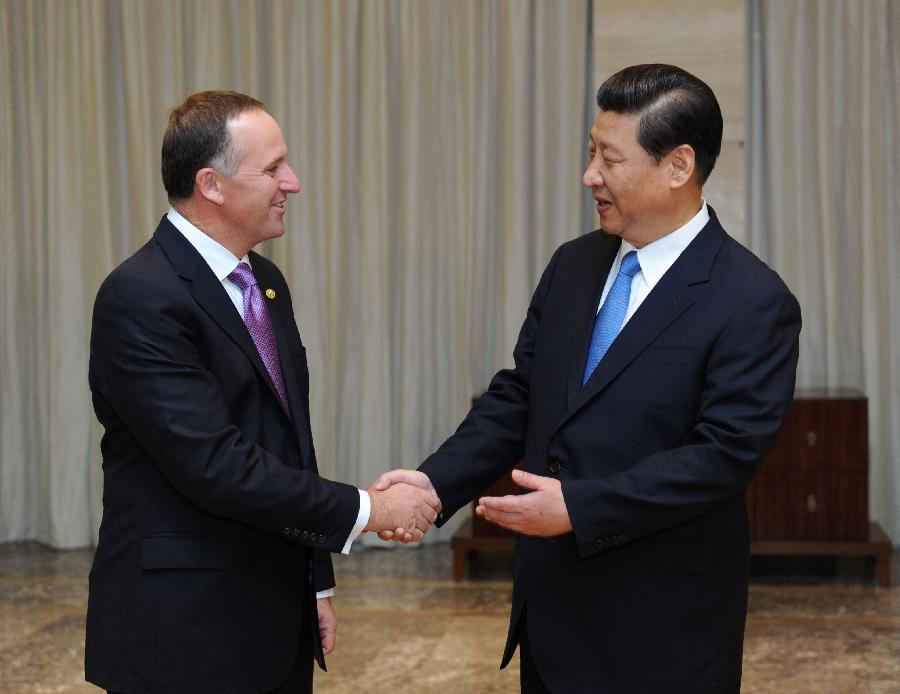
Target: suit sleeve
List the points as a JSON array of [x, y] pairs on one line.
[[491, 439], [147, 368], [748, 385]]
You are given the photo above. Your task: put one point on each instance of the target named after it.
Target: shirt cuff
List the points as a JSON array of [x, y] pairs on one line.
[[362, 519], [325, 594]]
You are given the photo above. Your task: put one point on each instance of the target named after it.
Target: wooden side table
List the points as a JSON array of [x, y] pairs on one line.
[[811, 495]]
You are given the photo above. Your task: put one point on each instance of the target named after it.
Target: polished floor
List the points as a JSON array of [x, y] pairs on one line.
[[815, 626]]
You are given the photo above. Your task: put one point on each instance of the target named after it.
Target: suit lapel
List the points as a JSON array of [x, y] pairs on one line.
[[668, 300], [209, 293], [584, 310]]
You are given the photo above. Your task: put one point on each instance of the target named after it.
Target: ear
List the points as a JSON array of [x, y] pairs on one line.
[[682, 162], [208, 185]]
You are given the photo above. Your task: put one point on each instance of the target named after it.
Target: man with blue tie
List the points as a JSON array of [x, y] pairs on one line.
[[652, 374], [212, 572]]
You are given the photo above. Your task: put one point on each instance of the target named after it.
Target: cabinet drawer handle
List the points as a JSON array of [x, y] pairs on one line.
[[811, 438], [811, 503]]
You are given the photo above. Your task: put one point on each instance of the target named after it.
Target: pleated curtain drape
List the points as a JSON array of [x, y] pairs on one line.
[[823, 206], [439, 146]]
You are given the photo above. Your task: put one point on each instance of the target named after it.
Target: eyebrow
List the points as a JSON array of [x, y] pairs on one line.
[[277, 160], [603, 146]]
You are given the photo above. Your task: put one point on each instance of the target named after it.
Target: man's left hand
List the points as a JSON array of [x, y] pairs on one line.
[[541, 512], [327, 624]]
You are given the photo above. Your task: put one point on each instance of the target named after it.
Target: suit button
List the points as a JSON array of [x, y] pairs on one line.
[[554, 466], [286, 530]]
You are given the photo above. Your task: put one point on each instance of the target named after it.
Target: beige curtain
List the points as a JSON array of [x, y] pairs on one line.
[[439, 146], [824, 207]]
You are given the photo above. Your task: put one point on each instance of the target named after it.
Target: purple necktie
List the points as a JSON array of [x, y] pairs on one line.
[[256, 317]]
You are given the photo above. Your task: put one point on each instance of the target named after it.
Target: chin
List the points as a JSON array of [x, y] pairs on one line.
[[275, 232]]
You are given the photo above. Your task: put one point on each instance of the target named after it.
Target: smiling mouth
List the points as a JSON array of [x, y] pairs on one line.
[[279, 205]]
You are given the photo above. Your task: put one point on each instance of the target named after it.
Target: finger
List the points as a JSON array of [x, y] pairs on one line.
[[417, 535], [504, 520], [499, 514], [328, 641], [428, 513], [527, 480], [509, 504], [386, 535]]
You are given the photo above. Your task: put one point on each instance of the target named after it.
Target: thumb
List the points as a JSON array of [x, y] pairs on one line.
[[527, 480], [389, 478]]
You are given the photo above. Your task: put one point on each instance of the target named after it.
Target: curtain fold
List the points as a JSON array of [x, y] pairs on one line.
[[823, 204], [439, 147]]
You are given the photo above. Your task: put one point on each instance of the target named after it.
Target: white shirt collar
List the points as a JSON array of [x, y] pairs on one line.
[[657, 257], [220, 260]]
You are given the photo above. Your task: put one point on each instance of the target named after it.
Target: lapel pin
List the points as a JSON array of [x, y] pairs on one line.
[[270, 293]]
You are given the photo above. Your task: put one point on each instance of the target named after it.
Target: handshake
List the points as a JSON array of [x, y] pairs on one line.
[[404, 505]]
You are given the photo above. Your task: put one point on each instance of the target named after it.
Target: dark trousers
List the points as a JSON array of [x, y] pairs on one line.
[[300, 678], [529, 680]]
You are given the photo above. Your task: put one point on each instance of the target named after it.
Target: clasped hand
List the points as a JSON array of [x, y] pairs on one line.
[[403, 508], [541, 512]]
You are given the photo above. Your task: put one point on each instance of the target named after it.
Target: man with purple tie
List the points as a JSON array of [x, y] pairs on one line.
[[212, 572]]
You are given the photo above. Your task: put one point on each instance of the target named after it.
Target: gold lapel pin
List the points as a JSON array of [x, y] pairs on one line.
[[270, 293]]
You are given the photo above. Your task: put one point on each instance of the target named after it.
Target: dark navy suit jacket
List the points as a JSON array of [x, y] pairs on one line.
[[216, 526], [649, 593]]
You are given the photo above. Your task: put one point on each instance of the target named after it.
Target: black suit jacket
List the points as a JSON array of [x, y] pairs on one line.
[[649, 592], [216, 525]]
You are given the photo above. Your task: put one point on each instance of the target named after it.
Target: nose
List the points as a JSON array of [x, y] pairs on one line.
[[592, 177], [289, 183]]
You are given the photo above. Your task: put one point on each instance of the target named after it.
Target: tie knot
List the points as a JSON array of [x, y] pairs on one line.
[[630, 264], [243, 276]]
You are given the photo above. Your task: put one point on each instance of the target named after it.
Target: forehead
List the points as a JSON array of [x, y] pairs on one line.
[[613, 130], [257, 134]]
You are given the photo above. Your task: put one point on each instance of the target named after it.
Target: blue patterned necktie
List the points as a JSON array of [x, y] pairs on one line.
[[611, 314]]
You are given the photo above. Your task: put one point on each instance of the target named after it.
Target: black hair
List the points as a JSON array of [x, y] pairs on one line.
[[675, 109]]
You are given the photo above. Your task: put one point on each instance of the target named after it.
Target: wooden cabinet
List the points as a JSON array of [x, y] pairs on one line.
[[811, 495], [814, 485]]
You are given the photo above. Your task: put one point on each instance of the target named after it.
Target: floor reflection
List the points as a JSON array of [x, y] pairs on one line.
[[815, 625]]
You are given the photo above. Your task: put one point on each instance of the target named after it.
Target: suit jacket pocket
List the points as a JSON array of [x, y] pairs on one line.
[[176, 551]]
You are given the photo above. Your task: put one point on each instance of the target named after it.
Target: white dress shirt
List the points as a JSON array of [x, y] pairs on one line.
[[655, 259], [222, 262]]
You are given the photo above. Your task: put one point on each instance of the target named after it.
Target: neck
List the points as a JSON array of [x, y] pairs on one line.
[[674, 219], [212, 226]]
